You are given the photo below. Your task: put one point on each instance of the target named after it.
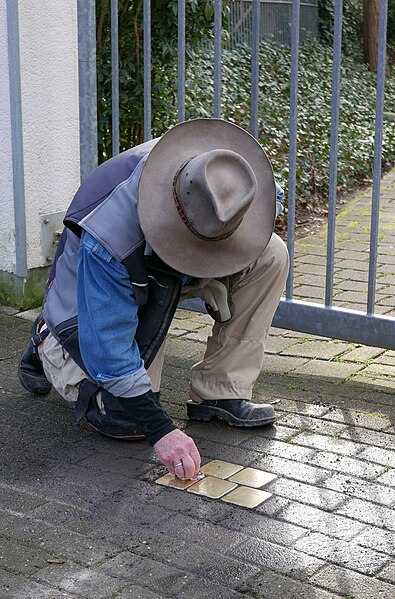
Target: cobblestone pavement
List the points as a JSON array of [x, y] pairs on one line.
[[81, 516]]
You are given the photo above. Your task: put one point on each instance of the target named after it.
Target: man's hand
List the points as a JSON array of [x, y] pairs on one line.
[[179, 454]]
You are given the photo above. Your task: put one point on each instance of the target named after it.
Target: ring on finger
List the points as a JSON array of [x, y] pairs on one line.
[[178, 464]]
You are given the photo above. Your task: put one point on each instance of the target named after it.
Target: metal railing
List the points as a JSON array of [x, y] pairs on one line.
[[326, 320], [275, 19]]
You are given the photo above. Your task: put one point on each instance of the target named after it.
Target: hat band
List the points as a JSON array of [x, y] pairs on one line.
[[184, 217]]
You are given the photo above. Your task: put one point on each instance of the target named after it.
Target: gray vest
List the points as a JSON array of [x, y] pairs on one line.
[[105, 206]]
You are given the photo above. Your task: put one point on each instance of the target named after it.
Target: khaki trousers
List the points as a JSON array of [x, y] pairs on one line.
[[235, 350]]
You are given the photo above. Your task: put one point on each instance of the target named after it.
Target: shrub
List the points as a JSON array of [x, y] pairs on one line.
[[357, 112]]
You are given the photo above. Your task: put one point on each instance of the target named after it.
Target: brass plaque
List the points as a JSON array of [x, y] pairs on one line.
[[246, 497], [252, 477], [169, 480], [212, 487], [220, 469]]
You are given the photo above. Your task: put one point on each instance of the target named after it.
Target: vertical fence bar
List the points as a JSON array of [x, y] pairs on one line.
[[114, 78], [181, 62], [293, 133], [217, 57], [17, 138], [378, 146], [337, 44], [87, 85], [256, 14], [147, 69]]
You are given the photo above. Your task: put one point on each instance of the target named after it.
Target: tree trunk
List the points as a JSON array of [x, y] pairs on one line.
[[371, 10]]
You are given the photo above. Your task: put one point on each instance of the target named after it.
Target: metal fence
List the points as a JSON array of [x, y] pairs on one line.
[[275, 18], [326, 320]]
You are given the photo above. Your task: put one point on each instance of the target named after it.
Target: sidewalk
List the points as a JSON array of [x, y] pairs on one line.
[[81, 516]]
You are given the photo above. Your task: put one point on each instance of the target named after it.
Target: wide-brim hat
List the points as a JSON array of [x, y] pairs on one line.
[[163, 224]]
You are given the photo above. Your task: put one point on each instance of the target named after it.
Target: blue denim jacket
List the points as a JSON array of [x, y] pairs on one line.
[[107, 319]]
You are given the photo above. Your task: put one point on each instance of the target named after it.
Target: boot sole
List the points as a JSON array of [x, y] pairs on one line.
[[206, 414]]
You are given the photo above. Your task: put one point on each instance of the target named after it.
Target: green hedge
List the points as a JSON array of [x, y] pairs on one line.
[[357, 112]]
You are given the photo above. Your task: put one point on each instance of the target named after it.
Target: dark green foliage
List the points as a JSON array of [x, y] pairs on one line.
[[357, 112], [352, 23], [199, 29]]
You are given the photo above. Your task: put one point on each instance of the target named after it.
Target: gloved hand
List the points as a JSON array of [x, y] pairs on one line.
[[215, 295]]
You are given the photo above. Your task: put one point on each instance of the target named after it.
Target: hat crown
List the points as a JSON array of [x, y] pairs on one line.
[[213, 191]]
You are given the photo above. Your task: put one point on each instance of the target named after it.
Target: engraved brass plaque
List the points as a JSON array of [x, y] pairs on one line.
[[212, 487], [251, 477], [220, 469], [246, 497], [169, 480]]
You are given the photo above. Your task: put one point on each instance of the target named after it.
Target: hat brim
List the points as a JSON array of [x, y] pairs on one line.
[[164, 229]]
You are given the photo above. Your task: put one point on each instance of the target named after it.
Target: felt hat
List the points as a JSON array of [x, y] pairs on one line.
[[206, 198]]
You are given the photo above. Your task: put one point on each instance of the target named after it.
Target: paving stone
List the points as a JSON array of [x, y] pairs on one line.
[[216, 539], [378, 539], [355, 467], [340, 370], [274, 345], [134, 592], [388, 478], [388, 573], [18, 587], [281, 364], [206, 589], [306, 423], [326, 443], [274, 557], [182, 349], [376, 422], [329, 500], [293, 470], [355, 275], [277, 431], [348, 554], [300, 407], [199, 335], [374, 380], [156, 576], [380, 369], [272, 585], [21, 502], [262, 527], [325, 350], [371, 491], [278, 448], [19, 559], [55, 540], [309, 279], [379, 456], [196, 559], [370, 513], [320, 520], [346, 285], [74, 579], [353, 584]]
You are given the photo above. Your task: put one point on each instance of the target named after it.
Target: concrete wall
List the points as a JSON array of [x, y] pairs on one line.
[[50, 118], [7, 226], [49, 78]]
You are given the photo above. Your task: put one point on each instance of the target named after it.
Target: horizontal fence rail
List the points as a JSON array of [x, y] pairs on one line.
[[249, 19]]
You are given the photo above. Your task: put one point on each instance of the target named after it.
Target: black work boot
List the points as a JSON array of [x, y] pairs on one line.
[[236, 412], [30, 371]]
